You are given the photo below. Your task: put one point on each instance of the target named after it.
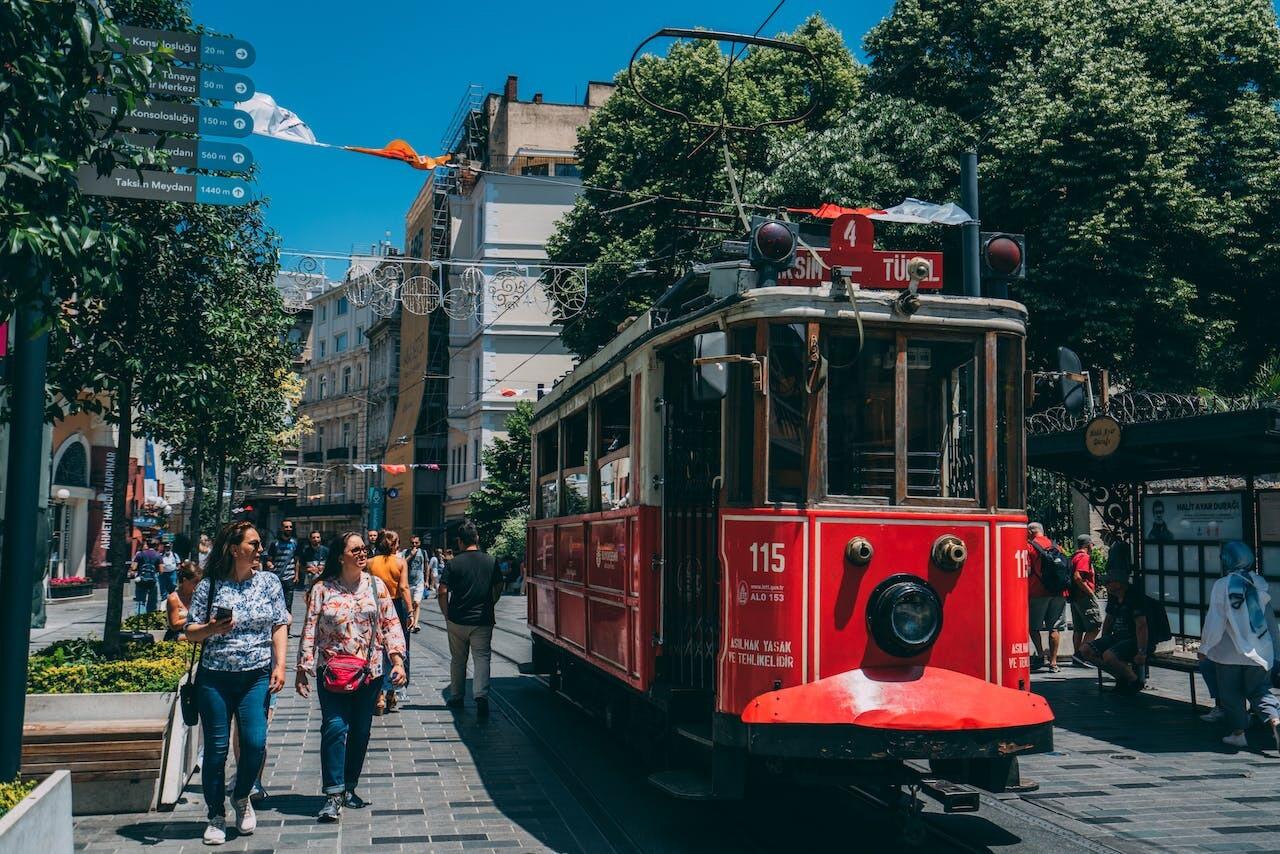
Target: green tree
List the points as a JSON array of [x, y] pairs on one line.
[[1138, 146], [505, 493], [629, 146]]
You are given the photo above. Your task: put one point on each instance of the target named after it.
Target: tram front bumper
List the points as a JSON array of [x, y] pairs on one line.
[[916, 712]]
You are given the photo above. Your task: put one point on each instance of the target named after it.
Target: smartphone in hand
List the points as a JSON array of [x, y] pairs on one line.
[[221, 613]]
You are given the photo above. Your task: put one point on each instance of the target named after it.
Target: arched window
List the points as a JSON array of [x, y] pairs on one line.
[[73, 466], [324, 386], [346, 379]]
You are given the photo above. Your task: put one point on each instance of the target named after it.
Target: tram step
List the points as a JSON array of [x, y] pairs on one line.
[[954, 797], [685, 783], [698, 733]]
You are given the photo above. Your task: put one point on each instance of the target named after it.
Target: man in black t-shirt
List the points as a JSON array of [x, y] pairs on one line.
[[1124, 643], [468, 589]]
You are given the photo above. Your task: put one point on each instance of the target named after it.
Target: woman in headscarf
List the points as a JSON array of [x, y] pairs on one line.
[[1240, 638]]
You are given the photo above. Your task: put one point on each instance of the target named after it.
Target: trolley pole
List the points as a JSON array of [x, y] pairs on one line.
[[969, 231], [17, 561]]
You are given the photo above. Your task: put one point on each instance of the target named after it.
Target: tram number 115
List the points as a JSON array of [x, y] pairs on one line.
[[768, 557]]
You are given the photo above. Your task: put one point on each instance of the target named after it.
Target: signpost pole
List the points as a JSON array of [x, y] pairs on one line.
[[18, 560]]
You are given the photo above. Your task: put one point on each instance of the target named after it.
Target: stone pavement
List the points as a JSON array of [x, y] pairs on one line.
[[76, 618], [1144, 773]]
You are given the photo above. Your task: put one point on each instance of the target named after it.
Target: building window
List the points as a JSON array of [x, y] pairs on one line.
[[322, 350], [568, 170], [322, 311], [324, 386], [359, 375], [73, 467], [477, 376], [343, 306], [346, 434], [340, 342], [320, 438], [475, 464], [346, 380], [534, 169]]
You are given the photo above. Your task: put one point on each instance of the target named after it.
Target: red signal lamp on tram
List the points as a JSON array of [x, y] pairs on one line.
[[1004, 256], [772, 246]]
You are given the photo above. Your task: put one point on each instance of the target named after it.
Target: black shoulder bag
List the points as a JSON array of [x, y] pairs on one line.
[[187, 693]]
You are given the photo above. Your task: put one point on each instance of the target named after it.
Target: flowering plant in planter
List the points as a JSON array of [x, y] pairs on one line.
[[11, 794], [69, 581]]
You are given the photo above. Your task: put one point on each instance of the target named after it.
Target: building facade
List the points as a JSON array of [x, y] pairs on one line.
[[332, 494]]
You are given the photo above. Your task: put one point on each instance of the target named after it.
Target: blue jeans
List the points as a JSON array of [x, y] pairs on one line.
[[344, 736], [144, 595], [168, 583], [220, 695], [387, 684]]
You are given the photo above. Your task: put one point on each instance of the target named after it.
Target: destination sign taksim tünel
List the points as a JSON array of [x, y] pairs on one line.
[[853, 248]]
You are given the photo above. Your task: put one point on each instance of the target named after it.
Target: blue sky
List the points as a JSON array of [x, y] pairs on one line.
[[366, 73]]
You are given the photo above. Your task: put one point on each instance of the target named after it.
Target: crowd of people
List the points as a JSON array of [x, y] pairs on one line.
[[362, 596], [1239, 646]]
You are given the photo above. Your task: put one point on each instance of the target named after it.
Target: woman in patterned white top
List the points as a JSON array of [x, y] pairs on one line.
[[241, 664], [349, 613]]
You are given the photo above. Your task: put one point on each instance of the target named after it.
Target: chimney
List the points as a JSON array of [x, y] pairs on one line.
[[537, 97], [509, 92]]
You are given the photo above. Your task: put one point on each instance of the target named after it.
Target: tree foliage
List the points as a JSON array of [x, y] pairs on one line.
[[505, 493], [628, 146]]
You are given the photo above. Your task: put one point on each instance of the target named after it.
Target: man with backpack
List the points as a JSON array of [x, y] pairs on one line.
[[1049, 586], [146, 574]]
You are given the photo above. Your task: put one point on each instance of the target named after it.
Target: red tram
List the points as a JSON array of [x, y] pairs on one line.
[[785, 520]]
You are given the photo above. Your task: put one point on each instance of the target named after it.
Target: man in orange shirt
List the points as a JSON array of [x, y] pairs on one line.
[[1046, 609]]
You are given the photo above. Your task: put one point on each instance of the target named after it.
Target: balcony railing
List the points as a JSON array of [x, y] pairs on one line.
[[338, 454], [313, 456]]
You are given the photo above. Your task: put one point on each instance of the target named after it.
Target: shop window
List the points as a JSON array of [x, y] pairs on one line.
[[860, 415]]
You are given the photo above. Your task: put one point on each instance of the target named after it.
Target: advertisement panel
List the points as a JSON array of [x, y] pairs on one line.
[[1193, 517]]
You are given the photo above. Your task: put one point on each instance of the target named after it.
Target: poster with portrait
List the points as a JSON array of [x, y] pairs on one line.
[[1192, 517]]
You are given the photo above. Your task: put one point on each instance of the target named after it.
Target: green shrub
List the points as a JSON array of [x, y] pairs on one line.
[[11, 794], [79, 667], [154, 621]]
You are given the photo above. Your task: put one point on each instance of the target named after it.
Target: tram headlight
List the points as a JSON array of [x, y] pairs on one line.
[[904, 615]]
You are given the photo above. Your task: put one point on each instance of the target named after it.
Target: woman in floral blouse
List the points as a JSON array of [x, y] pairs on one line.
[[349, 613], [241, 664]]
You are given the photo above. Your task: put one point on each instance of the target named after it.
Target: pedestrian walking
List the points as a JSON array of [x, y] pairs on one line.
[[470, 586], [146, 576], [1239, 637], [1086, 613], [416, 559], [350, 623], [389, 566], [202, 550], [178, 603], [281, 558], [238, 616], [311, 560], [169, 561], [434, 567], [1048, 598]]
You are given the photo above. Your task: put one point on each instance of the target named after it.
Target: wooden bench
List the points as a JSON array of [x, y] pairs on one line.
[[1177, 660], [95, 751]]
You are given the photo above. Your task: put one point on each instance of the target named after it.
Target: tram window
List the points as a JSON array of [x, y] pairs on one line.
[[1009, 425], [548, 473], [741, 459], [787, 403], [860, 416], [577, 491], [942, 419], [614, 451]]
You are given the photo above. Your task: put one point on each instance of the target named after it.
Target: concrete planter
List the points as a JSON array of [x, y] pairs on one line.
[[70, 591], [42, 822], [178, 761]]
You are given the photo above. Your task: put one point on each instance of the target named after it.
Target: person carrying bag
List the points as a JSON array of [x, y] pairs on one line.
[[1086, 612], [350, 623]]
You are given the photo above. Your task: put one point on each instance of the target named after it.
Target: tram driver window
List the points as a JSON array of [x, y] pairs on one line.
[[577, 485], [787, 403], [860, 416], [942, 419], [548, 474], [614, 451]]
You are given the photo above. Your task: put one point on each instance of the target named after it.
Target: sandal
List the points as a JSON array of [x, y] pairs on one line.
[[380, 707], [391, 702], [1053, 668]]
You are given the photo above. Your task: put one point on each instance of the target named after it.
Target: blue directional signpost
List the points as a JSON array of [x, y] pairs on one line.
[[193, 79]]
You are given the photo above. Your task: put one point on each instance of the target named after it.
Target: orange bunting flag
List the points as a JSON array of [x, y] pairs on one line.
[[398, 149], [395, 468]]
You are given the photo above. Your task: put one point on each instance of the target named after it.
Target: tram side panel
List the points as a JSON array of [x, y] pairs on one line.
[[1013, 644]]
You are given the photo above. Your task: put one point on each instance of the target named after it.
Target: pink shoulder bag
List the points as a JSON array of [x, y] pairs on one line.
[[343, 674]]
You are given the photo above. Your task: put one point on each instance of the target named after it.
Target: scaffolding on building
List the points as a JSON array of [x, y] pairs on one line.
[[465, 138]]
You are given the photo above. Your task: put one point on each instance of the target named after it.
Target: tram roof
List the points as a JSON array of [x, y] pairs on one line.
[[937, 312]]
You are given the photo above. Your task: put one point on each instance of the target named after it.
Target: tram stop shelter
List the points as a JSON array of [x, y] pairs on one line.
[[1112, 457]]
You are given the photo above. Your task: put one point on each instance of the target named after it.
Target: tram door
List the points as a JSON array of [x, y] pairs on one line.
[[691, 465]]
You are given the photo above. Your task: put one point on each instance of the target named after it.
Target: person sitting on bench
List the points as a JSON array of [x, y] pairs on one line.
[[1123, 646]]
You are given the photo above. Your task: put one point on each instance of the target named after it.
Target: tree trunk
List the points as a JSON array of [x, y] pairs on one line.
[[120, 520], [197, 502], [222, 478]]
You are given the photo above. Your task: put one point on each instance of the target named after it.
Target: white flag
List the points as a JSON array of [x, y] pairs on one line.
[[271, 119]]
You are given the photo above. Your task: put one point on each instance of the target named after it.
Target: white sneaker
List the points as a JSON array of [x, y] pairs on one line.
[[246, 818], [1235, 740], [1214, 716], [216, 832]]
